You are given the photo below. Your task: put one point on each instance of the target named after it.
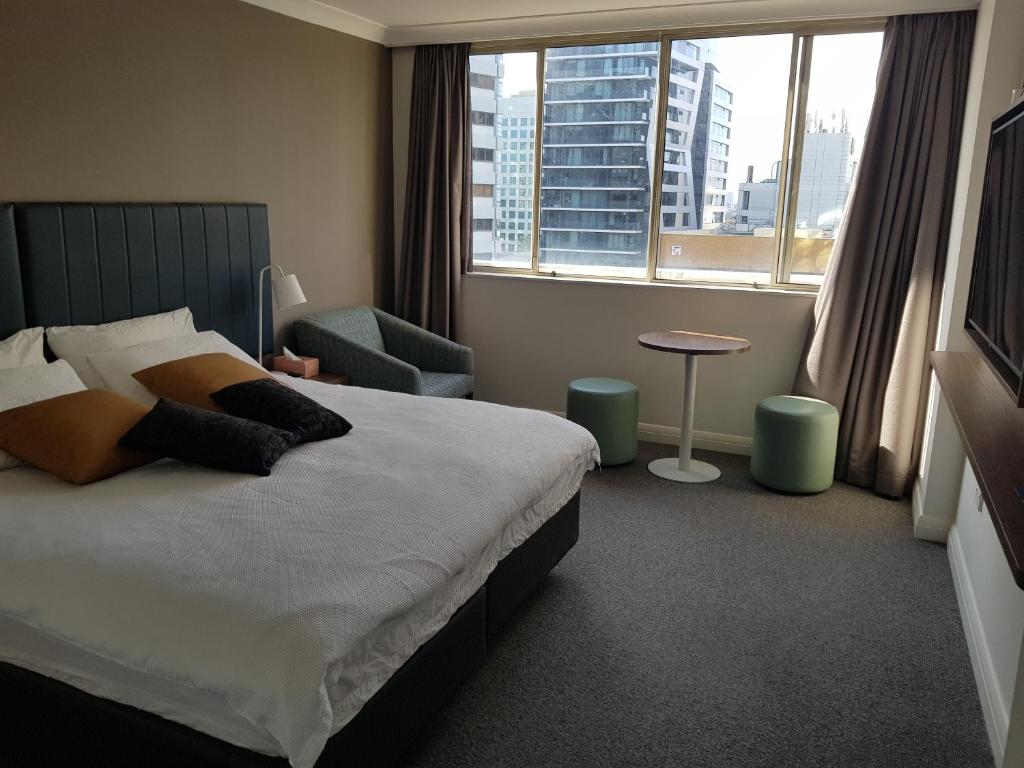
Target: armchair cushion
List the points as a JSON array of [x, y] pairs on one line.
[[419, 347], [358, 324], [446, 384]]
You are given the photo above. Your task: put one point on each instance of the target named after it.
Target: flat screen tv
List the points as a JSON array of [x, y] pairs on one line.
[[995, 310]]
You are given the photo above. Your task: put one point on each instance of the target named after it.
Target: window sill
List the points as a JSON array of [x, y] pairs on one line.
[[808, 292]]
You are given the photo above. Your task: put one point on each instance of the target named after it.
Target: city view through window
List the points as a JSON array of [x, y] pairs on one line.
[[719, 208]]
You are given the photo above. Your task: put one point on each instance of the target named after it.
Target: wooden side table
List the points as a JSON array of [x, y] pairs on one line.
[[690, 345], [330, 378]]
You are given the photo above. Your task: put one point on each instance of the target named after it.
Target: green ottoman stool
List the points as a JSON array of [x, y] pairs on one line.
[[794, 444], [609, 409]]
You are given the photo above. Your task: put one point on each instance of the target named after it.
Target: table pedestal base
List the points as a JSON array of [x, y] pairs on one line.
[[697, 472]]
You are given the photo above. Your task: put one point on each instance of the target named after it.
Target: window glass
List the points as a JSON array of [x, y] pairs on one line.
[[597, 158], [503, 95], [722, 212], [731, 155], [839, 98]]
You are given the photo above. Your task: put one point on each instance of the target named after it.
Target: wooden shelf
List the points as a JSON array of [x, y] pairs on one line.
[[992, 429]]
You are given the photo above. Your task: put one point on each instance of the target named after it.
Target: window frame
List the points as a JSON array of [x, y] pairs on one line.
[[789, 169]]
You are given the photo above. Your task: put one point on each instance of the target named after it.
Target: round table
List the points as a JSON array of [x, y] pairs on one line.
[[690, 345]]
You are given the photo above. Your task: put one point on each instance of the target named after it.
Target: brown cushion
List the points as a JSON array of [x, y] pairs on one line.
[[193, 379], [74, 436]]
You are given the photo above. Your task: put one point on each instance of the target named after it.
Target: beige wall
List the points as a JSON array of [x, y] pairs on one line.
[[533, 335], [207, 100], [997, 66]]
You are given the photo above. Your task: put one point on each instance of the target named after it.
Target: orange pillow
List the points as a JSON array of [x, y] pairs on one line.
[[193, 379], [74, 436]]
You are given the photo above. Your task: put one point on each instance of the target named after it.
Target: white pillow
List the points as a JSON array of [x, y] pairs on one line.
[[23, 348], [31, 383], [117, 366], [75, 343]]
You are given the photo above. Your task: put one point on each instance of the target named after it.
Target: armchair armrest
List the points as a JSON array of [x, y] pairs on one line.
[[365, 366], [422, 348]]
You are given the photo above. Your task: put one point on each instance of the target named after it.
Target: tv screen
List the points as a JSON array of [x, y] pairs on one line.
[[995, 312]]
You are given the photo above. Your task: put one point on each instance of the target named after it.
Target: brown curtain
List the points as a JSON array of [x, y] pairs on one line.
[[437, 237], [875, 318]]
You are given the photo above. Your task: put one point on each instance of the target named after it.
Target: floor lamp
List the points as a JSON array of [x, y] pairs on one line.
[[287, 293]]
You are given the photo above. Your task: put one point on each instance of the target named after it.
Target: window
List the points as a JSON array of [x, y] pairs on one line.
[[482, 118], [721, 113], [481, 80], [753, 187], [505, 99], [838, 104], [606, 231]]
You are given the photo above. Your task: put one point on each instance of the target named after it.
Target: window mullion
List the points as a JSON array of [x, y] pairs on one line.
[[661, 120], [783, 177], [538, 151], [792, 178]]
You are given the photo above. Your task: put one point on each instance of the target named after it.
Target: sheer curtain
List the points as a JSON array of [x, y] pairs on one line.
[[874, 320], [437, 239]]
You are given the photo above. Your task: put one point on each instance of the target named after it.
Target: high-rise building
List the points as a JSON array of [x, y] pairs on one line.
[[826, 173], [483, 77], [596, 166], [758, 202], [600, 104], [597, 153], [516, 131], [712, 138]]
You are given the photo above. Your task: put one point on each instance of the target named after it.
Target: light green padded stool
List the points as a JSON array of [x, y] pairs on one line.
[[794, 444], [609, 409]]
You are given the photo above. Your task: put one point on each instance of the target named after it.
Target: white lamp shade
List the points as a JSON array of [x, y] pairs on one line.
[[287, 291]]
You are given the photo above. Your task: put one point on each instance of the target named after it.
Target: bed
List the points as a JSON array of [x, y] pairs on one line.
[[175, 615]]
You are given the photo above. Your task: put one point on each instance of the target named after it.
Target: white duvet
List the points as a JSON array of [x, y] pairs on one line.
[[288, 600]]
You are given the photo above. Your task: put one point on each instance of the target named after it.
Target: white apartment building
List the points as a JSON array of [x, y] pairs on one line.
[[827, 166], [483, 77], [516, 130]]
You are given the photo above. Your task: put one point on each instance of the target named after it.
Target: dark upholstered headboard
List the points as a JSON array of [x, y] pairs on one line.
[[12, 307], [82, 263]]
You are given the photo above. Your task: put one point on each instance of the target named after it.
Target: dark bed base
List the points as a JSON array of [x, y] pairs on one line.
[[48, 723]]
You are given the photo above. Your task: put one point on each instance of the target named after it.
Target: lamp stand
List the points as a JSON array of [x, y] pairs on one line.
[[259, 302]]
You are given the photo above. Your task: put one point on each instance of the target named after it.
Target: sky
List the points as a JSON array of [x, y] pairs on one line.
[[520, 73], [756, 69]]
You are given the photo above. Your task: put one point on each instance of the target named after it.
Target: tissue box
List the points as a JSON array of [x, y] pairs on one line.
[[305, 367]]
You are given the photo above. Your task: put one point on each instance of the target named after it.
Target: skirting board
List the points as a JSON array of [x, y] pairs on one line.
[[927, 528], [708, 441], [995, 711]]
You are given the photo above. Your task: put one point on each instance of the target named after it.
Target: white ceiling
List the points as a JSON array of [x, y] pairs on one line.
[[413, 22]]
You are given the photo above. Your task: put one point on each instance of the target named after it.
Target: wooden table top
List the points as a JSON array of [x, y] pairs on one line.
[[687, 343]]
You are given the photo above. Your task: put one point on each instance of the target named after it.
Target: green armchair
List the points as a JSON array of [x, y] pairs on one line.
[[381, 351]]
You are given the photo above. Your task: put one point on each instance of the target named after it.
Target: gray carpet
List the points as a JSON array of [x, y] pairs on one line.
[[723, 626]]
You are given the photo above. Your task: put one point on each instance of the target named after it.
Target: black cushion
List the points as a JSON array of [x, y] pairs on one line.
[[280, 406], [218, 440]]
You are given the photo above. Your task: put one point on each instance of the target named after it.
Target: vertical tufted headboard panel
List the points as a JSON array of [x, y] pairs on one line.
[[83, 263], [12, 306]]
